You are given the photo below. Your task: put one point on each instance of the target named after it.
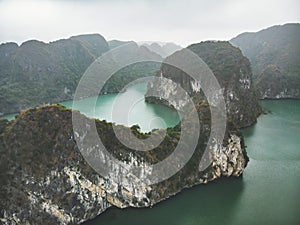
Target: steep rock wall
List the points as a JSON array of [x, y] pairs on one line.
[[45, 180], [232, 71]]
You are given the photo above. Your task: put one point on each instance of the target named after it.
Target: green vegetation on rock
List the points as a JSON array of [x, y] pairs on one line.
[[274, 54], [45, 179], [232, 71], [36, 73]]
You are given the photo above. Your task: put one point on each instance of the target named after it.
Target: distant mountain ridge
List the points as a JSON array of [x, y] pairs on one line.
[[116, 43], [36, 73], [160, 48], [274, 54], [164, 49]]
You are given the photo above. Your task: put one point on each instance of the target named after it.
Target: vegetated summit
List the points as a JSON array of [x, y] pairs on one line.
[[274, 54], [232, 71], [36, 73]]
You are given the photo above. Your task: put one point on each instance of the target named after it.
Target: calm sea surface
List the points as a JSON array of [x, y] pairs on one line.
[[268, 193]]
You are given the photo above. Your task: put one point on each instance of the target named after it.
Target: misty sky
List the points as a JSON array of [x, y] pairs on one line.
[[180, 21]]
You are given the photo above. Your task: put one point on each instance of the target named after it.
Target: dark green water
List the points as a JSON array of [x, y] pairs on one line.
[[268, 193]]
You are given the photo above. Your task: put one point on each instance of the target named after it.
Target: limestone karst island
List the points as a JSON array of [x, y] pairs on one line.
[[149, 112]]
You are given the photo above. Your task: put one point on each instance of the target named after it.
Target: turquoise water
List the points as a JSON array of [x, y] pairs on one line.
[[128, 108], [9, 116], [268, 193]]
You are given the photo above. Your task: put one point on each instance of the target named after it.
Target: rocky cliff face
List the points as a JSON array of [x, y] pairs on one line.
[[274, 54], [45, 180], [232, 71], [273, 84]]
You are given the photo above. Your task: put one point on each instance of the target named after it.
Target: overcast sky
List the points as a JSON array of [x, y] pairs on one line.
[[180, 21]]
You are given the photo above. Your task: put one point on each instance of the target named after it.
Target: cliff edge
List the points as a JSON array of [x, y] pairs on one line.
[[45, 179]]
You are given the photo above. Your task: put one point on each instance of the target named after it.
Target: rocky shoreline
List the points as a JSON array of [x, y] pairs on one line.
[[46, 180]]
